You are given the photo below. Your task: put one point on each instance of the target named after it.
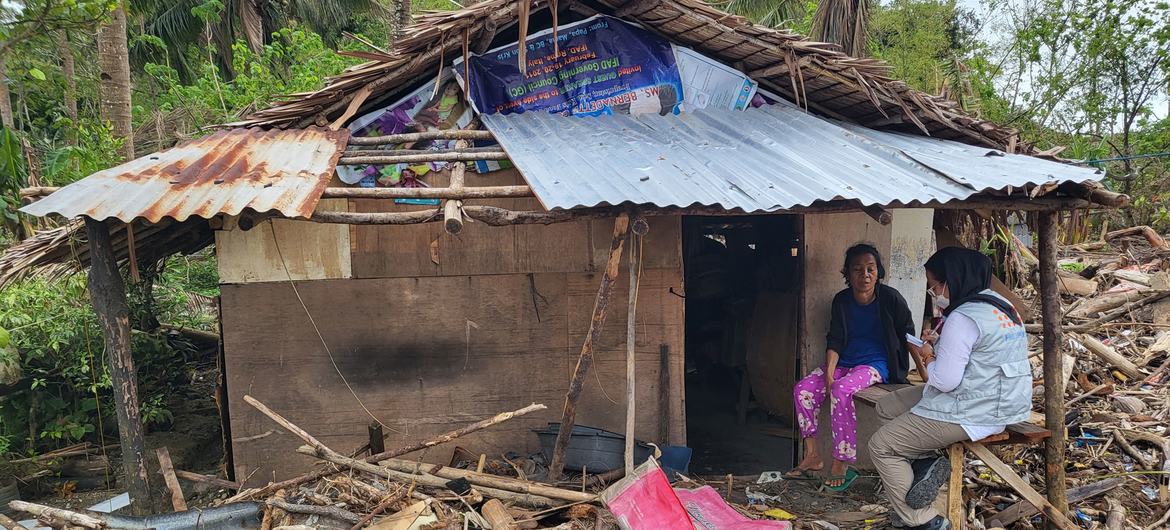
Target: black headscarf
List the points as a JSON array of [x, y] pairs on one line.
[[967, 273]]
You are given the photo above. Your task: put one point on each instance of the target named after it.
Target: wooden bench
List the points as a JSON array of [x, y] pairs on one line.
[[1020, 433]]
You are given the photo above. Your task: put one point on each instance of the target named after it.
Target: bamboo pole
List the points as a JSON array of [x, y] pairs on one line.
[[569, 417], [425, 157], [485, 192], [395, 139], [1054, 446], [108, 297]]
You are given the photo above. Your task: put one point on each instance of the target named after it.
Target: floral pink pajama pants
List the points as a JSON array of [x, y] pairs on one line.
[[810, 395]]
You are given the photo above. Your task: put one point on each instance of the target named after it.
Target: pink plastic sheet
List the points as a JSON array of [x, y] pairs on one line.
[[709, 512], [645, 501]]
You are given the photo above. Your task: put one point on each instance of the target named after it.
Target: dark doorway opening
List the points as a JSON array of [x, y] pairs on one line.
[[743, 286]]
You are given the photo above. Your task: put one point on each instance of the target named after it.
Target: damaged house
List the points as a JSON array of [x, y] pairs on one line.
[[420, 244]]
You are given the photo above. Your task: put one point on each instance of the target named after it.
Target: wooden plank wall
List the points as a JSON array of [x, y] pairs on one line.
[[433, 332], [826, 237]]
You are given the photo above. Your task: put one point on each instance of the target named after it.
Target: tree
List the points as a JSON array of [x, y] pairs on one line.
[[180, 25], [791, 14], [114, 61]]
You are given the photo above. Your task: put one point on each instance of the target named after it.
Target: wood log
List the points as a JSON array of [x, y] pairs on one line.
[[306, 509], [9, 524], [167, 469], [108, 297], [1151, 236], [488, 480], [424, 479], [413, 159], [585, 359], [207, 479], [396, 139], [464, 149], [288, 425], [483, 192], [1093, 307], [38, 191], [1108, 354], [1150, 297], [1054, 381], [495, 513], [71, 517], [1116, 518], [879, 214], [1139, 278], [1025, 509], [452, 209], [1021, 486], [1074, 284]]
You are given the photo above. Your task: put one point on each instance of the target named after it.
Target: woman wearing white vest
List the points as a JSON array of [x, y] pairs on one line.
[[978, 381]]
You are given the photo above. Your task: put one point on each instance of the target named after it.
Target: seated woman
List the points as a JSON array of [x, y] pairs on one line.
[[978, 381], [866, 345]]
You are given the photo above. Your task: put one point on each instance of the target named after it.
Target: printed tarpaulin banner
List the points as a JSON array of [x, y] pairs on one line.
[[603, 66]]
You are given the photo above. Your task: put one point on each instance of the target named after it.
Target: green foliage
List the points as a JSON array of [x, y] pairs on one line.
[[1076, 267], [61, 358]]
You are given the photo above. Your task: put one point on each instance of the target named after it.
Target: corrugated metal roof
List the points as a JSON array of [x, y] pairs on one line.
[[765, 159], [282, 170], [979, 167]]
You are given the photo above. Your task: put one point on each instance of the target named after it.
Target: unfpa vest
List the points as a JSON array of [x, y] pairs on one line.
[[997, 384]]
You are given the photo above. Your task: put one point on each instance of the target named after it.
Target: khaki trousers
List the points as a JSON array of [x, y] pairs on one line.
[[905, 437]]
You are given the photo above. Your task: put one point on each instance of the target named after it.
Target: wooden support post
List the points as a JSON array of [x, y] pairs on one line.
[[108, 296], [1054, 446], [621, 225], [453, 208], [955, 511], [167, 469], [639, 229]]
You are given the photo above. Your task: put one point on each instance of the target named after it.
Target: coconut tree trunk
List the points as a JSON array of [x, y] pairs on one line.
[[114, 62], [5, 99], [67, 71], [843, 22], [404, 7]]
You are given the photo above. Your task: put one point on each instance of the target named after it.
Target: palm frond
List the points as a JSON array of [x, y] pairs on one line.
[[842, 22], [771, 13]]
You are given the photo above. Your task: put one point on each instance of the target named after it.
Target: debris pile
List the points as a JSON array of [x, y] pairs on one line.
[[1117, 393]]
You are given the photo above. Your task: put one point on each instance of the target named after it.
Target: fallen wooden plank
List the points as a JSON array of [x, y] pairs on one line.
[[1020, 486], [1025, 509], [167, 470]]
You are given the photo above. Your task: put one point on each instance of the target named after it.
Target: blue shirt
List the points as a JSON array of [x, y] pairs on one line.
[[865, 345]]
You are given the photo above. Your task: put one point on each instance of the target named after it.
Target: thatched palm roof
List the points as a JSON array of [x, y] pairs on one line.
[[815, 75]]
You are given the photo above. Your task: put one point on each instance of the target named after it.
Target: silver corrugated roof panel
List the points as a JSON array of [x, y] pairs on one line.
[[983, 168], [282, 170], [765, 159]]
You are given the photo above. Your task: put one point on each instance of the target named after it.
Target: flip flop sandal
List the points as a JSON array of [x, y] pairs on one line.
[[846, 481], [801, 474]]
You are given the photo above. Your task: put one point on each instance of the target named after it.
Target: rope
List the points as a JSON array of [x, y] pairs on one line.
[[317, 330]]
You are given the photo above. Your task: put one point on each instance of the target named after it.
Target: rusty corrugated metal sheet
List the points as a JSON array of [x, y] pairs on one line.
[[282, 170]]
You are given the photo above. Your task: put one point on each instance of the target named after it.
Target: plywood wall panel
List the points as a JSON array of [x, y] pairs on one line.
[[310, 251], [426, 355]]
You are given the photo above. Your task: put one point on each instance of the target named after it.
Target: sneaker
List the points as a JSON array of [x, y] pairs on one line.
[[938, 523], [929, 476]]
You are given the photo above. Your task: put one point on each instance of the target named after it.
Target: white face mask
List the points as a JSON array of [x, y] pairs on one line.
[[941, 301]]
